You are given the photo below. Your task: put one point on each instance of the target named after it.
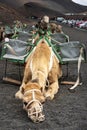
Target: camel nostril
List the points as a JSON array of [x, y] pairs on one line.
[[37, 121], [25, 103]]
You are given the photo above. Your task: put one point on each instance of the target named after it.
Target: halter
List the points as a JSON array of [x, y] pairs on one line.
[[34, 100]]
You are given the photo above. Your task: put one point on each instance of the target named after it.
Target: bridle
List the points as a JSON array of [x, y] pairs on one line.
[[34, 100]]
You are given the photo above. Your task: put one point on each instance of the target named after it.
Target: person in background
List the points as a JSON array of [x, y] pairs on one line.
[[42, 28], [43, 25]]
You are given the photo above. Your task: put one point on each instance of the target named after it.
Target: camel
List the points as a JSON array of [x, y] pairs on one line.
[[40, 81]]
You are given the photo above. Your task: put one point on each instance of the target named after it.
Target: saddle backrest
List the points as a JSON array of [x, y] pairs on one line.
[[24, 36], [19, 47], [59, 37], [70, 51]]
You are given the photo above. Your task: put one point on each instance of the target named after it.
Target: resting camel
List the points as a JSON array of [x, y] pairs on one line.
[[40, 81], [55, 28]]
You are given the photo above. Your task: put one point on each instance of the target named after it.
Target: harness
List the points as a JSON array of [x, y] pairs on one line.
[[36, 113]]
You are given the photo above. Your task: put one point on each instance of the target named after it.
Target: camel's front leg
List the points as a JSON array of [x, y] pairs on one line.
[[52, 90], [53, 77]]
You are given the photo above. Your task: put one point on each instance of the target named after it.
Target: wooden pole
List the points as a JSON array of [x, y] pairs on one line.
[[69, 83], [11, 80]]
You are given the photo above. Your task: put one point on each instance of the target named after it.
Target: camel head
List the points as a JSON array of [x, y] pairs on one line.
[[33, 100]]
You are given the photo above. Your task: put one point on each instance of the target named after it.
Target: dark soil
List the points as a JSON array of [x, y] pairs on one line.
[[68, 111]]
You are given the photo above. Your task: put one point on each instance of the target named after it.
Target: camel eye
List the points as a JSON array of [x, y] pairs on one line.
[[25, 103]]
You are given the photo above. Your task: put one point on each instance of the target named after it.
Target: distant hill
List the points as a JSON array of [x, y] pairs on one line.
[[53, 8], [8, 15], [20, 9], [40, 10], [60, 6]]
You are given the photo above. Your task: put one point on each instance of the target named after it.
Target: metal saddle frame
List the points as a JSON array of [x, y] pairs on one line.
[[16, 51], [70, 52], [66, 51]]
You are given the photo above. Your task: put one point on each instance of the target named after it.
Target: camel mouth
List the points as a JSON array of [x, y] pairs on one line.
[[34, 110], [37, 117]]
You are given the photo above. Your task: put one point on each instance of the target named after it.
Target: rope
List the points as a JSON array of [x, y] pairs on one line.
[[79, 65]]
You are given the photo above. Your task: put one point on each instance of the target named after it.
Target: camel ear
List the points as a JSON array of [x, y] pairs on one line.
[[19, 95], [22, 90]]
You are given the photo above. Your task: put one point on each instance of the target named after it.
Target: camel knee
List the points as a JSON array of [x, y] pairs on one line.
[[52, 90]]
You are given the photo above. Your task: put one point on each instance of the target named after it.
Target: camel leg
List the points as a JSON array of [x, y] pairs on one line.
[[53, 77], [52, 90]]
